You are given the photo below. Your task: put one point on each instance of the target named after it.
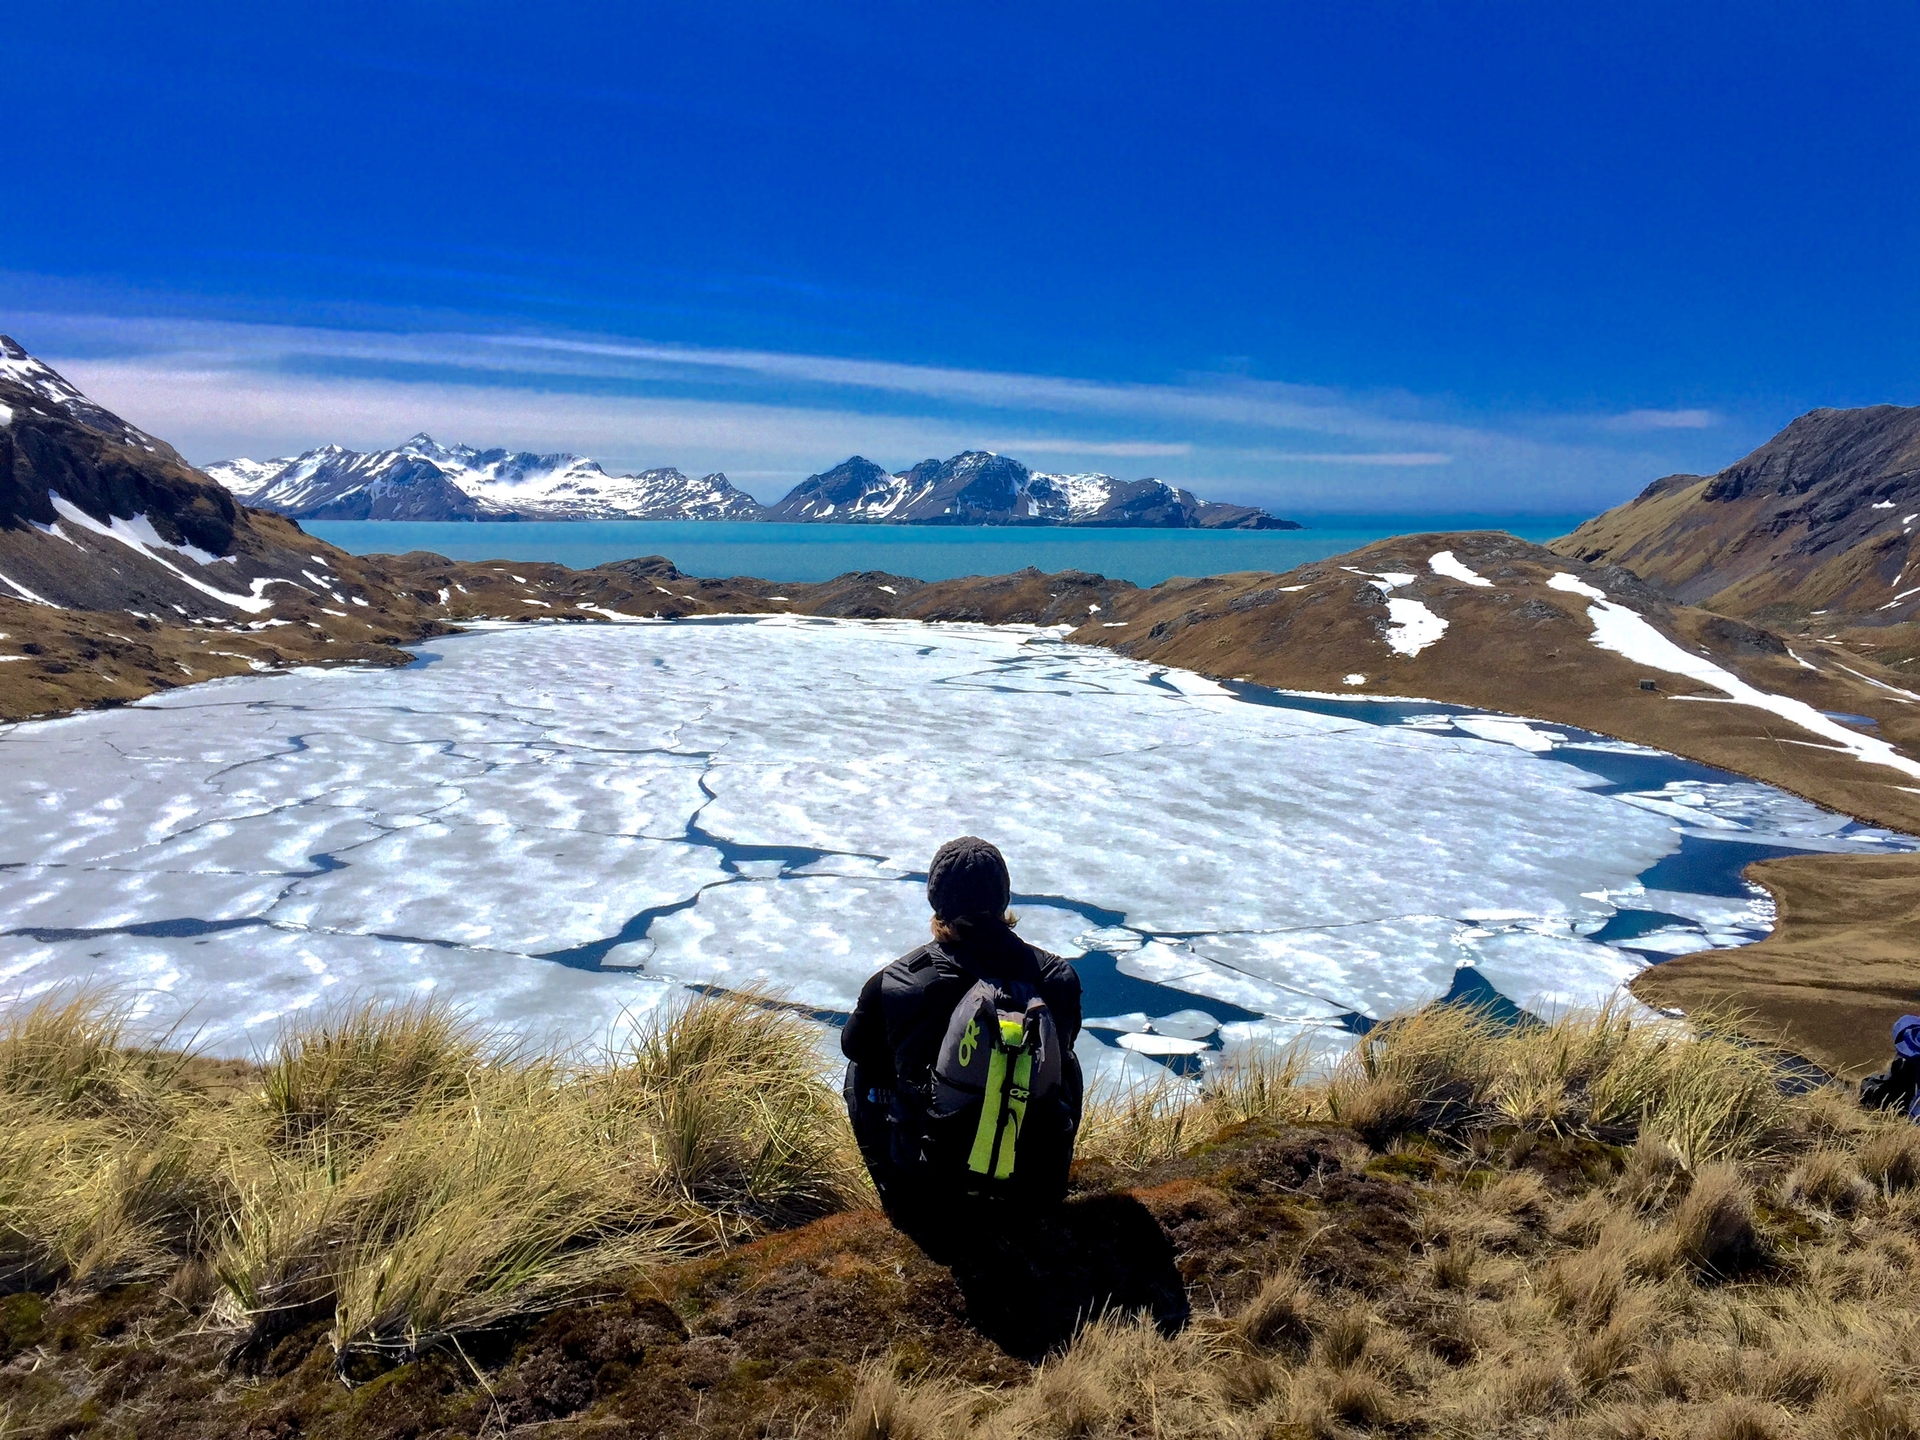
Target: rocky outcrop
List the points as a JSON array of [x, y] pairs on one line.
[[1821, 521]]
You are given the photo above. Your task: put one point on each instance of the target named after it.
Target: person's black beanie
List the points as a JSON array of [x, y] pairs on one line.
[[968, 877]]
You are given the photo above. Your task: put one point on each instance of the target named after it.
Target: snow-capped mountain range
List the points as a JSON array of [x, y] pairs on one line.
[[425, 480]]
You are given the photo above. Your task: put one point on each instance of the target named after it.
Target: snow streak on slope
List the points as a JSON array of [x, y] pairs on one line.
[[31, 597], [1626, 632], [139, 536], [1444, 562]]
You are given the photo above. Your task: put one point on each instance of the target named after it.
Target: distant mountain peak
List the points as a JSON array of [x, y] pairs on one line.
[[979, 487], [423, 479], [33, 377]]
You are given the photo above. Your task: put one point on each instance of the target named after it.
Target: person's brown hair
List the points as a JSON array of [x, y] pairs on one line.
[[949, 932]]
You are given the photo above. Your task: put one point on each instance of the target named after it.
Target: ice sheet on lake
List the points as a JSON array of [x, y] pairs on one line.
[[558, 824]]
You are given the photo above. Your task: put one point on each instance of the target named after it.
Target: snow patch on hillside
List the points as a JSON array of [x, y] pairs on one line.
[[1444, 563], [1626, 632], [139, 536], [1413, 627]]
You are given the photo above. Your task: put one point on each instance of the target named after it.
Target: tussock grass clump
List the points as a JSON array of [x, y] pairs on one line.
[[346, 1077], [69, 1056], [1713, 1230], [398, 1170], [1141, 1124], [1890, 1158], [1626, 1229], [1828, 1179], [1694, 1093], [726, 1094], [1705, 1093], [106, 1174], [1279, 1317]]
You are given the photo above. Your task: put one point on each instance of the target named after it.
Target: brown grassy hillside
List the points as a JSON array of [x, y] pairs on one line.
[[1814, 533]]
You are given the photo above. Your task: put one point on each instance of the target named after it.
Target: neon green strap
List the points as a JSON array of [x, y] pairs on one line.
[[981, 1159], [1016, 1112], [1003, 1108]]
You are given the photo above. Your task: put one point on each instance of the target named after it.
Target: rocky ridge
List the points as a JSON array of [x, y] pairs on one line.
[[1816, 533]]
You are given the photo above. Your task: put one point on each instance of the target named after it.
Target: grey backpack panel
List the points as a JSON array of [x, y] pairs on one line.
[[998, 1066], [961, 1068]]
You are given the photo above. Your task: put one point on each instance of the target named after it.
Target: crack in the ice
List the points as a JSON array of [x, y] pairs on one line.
[[179, 928]]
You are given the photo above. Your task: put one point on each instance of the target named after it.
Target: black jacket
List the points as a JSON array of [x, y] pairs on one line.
[[895, 1032]]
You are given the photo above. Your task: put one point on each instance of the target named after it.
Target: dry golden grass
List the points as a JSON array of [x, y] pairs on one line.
[[1745, 1269], [1622, 1228], [1700, 1091], [1138, 1125], [401, 1171]]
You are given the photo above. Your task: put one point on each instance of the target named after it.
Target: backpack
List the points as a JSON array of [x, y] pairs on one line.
[[1895, 1088], [997, 1093]]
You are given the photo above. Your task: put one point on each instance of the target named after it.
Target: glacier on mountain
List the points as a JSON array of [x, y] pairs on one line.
[[558, 826], [425, 480]]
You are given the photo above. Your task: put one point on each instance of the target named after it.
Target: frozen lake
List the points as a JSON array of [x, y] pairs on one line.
[[558, 824]]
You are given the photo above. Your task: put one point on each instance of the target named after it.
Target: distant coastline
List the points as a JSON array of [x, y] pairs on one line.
[[944, 522]]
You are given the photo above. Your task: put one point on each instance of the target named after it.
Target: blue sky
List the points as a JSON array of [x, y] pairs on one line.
[[1443, 258]]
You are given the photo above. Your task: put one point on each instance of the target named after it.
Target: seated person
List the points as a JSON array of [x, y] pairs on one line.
[[961, 1082], [1898, 1086]]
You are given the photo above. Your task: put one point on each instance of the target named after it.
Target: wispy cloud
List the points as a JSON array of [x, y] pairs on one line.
[[1642, 420], [219, 388], [1119, 449], [1269, 405], [212, 414], [1353, 457]]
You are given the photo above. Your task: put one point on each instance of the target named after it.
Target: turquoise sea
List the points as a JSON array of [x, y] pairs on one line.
[[819, 552]]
